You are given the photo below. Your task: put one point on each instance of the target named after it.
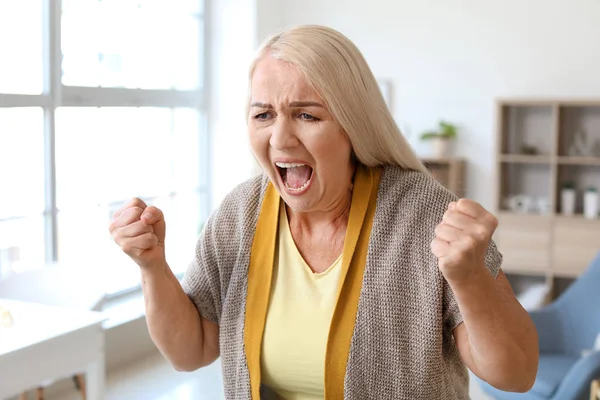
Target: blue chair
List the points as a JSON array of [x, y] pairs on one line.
[[565, 328]]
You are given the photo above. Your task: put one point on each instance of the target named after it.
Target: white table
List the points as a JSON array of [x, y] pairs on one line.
[[50, 343]]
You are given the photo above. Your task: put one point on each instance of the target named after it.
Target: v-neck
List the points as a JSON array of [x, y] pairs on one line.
[[287, 230]]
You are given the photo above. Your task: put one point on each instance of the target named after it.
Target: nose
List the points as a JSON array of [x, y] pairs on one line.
[[283, 136]]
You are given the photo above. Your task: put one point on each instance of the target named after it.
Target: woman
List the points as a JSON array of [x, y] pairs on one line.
[[345, 270]]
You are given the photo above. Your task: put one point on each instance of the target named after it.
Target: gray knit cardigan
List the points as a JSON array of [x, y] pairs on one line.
[[402, 346]]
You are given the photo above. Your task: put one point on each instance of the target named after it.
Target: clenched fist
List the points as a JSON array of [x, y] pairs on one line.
[[140, 232], [462, 238]]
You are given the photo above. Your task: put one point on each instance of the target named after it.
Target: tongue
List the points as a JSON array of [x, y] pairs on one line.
[[297, 177]]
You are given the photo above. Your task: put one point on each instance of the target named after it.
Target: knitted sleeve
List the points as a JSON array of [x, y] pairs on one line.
[[201, 281], [452, 315], [222, 250]]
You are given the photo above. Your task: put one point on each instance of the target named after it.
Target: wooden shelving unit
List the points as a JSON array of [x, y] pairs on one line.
[[568, 160], [524, 158], [449, 171], [535, 158]]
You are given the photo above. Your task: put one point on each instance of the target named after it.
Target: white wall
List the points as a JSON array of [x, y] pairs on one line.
[[230, 44], [451, 58], [269, 18]]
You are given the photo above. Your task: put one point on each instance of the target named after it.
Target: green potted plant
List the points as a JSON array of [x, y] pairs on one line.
[[440, 138]]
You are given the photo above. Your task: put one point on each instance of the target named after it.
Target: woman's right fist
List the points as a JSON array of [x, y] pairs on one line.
[[140, 232]]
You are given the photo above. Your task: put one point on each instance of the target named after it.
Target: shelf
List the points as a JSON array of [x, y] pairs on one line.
[[526, 158], [544, 158], [574, 245], [564, 137], [566, 160], [525, 188], [579, 131], [559, 217], [577, 218], [525, 129], [523, 240], [540, 102], [509, 214], [581, 177], [525, 102]]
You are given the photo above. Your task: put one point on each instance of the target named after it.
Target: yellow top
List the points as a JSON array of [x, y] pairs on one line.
[[300, 309]]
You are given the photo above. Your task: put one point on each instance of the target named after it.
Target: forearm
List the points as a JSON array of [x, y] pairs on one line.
[[173, 321], [502, 337]]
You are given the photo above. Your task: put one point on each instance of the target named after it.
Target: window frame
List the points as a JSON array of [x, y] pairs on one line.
[[55, 95]]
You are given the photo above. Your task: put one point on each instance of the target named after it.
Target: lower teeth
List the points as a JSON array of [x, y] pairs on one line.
[[298, 189]]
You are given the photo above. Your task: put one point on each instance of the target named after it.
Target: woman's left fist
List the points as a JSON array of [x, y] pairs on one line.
[[462, 238]]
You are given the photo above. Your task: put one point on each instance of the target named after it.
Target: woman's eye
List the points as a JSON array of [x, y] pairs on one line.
[[260, 116], [307, 117]]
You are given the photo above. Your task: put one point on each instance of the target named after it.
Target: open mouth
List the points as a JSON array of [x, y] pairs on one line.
[[295, 176]]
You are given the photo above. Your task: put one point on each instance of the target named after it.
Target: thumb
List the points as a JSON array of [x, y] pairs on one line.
[[154, 216]]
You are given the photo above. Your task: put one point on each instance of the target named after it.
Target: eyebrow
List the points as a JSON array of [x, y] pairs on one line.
[[294, 104]]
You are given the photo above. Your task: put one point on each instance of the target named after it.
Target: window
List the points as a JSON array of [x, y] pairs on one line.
[[100, 101], [22, 182], [21, 69], [147, 44]]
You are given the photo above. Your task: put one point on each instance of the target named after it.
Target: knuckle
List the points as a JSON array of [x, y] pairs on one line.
[[136, 228], [137, 210], [463, 202], [117, 237], [480, 233], [446, 215], [148, 239], [145, 228], [469, 242], [479, 238], [139, 203], [136, 252], [131, 214], [144, 238]]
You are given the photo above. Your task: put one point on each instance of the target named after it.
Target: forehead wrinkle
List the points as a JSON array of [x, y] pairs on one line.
[[279, 84]]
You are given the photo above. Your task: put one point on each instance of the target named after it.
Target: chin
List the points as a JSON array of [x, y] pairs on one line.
[[295, 204]]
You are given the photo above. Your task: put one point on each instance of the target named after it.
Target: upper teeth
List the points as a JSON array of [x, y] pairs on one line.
[[289, 165]]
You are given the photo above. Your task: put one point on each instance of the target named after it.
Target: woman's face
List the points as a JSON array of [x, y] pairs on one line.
[[303, 150]]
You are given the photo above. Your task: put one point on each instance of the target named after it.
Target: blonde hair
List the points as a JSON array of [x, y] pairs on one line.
[[337, 70]]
